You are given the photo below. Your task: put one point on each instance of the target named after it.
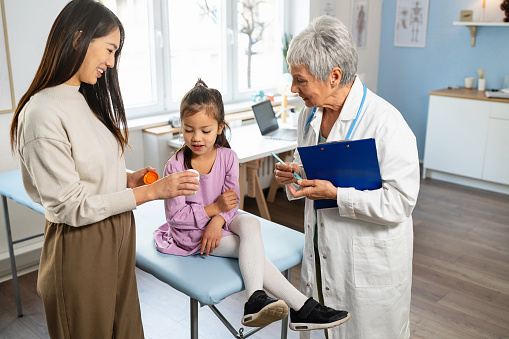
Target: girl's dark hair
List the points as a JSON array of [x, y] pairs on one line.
[[201, 98], [63, 56]]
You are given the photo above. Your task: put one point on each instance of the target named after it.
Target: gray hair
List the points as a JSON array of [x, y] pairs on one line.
[[326, 43]]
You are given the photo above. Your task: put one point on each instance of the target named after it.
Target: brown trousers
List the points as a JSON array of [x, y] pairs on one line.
[[87, 280]]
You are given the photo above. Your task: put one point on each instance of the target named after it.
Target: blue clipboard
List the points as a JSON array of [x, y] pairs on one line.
[[352, 163]]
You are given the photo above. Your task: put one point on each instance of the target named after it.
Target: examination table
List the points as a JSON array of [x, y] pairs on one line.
[[283, 246]]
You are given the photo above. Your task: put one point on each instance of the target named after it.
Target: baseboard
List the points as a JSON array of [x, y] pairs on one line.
[[27, 260], [466, 181]]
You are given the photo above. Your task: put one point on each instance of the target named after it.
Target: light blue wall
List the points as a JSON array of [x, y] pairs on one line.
[[406, 75]]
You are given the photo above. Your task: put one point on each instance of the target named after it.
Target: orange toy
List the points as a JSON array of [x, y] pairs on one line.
[[150, 177]]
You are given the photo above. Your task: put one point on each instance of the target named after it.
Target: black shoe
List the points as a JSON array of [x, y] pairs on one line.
[[315, 316], [261, 310]]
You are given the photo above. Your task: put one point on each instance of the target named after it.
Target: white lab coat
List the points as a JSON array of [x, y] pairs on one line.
[[366, 244]]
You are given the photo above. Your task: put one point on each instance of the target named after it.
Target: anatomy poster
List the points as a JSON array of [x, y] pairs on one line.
[[328, 8], [360, 23], [411, 23]]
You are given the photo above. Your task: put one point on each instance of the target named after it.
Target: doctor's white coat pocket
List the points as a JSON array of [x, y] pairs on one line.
[[380, 262]]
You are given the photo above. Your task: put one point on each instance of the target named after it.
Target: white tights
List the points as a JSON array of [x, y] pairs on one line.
[[257, 271]]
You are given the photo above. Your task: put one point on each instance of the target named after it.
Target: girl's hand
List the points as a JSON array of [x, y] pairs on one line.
[[284, 173], [227, 201], [315, 190], [135, 179], [212, 236]]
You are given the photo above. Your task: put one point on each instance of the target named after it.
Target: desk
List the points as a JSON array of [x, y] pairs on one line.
[[251, 148], [155, 140]]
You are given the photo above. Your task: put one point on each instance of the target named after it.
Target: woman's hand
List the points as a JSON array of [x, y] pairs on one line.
[[284, 173], [177, 184], [212, 236], [227, 201], [135, 179], [171, 186], [315, 190]]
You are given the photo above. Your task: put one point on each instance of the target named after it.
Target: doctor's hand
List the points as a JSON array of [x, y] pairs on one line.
[[315, 190], [212, 235], [283, 173]]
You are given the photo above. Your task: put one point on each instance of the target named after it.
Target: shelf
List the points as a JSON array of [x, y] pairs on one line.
[[472, 25], [480, 23]]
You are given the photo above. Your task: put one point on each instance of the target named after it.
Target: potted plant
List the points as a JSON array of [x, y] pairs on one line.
[[286, 42], [505, 7]]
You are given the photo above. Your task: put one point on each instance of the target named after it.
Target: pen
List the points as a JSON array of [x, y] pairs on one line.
[[295, 175]]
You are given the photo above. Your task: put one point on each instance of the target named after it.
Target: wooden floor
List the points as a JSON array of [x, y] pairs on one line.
[[460, 275]]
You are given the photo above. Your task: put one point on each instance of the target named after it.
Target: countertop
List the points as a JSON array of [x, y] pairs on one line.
[[464, 93]]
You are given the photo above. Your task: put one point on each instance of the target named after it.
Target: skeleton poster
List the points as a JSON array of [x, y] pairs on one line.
[[411, 23]]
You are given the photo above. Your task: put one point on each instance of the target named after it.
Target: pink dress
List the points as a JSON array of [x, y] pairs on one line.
[[186, 219]]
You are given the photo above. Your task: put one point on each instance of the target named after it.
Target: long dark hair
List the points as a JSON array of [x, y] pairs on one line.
[[63, 57], [198, 99]]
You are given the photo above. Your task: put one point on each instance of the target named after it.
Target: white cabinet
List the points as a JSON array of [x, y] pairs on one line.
[[455, 136], [496, 161], [467, 142]]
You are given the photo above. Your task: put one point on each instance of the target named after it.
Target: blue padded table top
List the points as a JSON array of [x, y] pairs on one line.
[[11, 186], [207, 279]]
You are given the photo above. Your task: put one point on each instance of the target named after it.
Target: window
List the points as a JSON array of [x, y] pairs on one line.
[[137, 64], [260, 44], [234, 45], [196, 45]]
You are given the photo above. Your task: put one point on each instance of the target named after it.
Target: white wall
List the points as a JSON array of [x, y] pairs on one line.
[[28, 24], [369, 55]]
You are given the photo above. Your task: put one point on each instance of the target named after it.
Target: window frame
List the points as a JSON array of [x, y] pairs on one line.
[[161, 58]]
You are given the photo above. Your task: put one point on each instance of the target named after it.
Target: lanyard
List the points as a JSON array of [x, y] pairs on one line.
[[310, 118], [349, 134]]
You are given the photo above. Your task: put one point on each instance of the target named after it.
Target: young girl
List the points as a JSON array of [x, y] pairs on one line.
[[209, 222]]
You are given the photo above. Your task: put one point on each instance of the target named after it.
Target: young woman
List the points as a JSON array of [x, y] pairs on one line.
[[70, 133], [209, 222]]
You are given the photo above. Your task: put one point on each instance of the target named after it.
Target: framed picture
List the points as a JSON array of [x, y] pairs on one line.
[[328, 7], [360, 22], [7, 103], [411, 23]]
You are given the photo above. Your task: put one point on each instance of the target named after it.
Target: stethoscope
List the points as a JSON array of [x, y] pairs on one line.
[[350, 131]]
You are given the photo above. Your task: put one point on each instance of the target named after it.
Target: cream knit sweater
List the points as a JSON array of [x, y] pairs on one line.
[[70, 162]]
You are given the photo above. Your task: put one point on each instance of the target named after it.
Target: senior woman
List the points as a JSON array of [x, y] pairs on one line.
[[358, 255]]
